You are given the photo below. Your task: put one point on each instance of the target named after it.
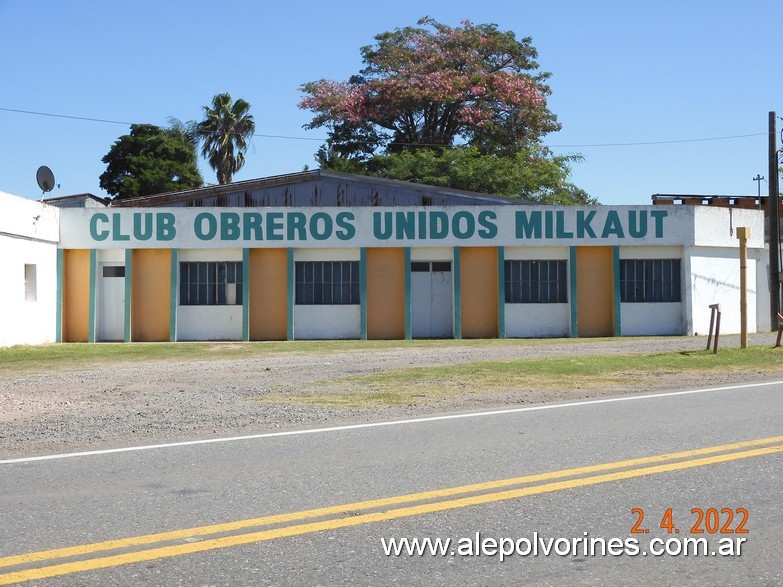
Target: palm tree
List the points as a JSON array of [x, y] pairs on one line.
[[225, 131]]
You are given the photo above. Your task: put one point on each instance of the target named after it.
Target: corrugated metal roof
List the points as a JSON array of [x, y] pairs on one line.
[[77, 201], [319, 188]]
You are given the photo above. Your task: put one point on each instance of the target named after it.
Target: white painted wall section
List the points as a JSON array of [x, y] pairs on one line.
[[715, 280], [763, 318], [432, 254], [209, 323], [327, 322], [537, 320], [660, 319], [218, 255], [532, 253], [28, 236]]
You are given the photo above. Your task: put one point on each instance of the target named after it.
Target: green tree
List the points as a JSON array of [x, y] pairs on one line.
[[150, 160], [225, 132], [526, 174], [431, 97]]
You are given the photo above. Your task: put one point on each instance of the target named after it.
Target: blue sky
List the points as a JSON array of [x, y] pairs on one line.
[[622, 72]]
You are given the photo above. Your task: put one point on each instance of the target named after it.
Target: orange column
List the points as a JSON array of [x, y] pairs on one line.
[[268, 275], [479, 291], [151, 295], [76, 295], [595, 291], [386, 293]]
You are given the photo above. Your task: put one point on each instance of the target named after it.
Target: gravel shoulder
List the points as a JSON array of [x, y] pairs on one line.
[[128, 403]]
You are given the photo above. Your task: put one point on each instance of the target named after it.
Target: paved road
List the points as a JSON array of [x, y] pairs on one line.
[[723, 450]]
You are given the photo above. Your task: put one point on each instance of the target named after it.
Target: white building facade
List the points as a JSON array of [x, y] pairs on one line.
[[373, 272], [29, 233], [322, 255]]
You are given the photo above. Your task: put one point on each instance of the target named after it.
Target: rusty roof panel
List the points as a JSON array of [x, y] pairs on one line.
[[319, 188]]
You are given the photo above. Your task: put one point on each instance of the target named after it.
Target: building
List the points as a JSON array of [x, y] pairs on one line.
[[326, 255], [29, 232]]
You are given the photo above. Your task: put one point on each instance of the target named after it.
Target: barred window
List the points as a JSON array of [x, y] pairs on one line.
[[536, 282], [210, 283], [649, 280], [327, 282]]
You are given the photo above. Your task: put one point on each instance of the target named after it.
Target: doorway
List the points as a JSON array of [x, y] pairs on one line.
[[111, 302], [432, 313]]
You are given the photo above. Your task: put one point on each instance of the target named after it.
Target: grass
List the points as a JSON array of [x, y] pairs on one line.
[[413, 385], [75, 355], [422, 384]]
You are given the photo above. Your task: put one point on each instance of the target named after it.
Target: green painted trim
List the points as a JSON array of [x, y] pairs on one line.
[[457, 296], [408, 323], [58, 331], [363, 293], [173, 295], [618, 330], [501, 292], [93, 280], [291, 292], [572, 291], [245, 295], [128, 293]]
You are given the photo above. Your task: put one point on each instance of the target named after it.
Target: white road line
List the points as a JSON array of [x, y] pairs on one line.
[[422, 420]]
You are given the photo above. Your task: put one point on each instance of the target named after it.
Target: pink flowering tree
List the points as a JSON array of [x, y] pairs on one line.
[[436, 89]]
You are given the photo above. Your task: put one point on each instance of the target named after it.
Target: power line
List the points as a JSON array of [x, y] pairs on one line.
[[293, 138], [669, 142], [124, 123], [64, 116]]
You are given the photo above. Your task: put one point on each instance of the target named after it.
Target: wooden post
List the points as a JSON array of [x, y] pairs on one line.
[[714, 321], [743, 233]]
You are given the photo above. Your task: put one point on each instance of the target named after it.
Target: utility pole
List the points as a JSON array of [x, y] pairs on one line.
[[774, 225], [743, 234], [758, 179]]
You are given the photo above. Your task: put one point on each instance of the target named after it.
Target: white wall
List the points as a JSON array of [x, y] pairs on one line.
[[327, 322], [351, 254], [28, 235], [209, 254], [432, 254], [537, 320], [23, 321], [761, 258], [111, 256], [715, 280], [717, 227], [657, 319], [209, 323]]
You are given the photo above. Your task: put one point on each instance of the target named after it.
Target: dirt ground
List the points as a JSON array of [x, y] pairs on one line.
[[129, 403]]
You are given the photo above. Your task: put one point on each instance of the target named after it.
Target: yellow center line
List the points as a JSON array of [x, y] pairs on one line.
[[364, 505], [353, 520]]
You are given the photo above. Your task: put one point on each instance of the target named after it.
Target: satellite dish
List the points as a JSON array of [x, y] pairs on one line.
[[45, 178]]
